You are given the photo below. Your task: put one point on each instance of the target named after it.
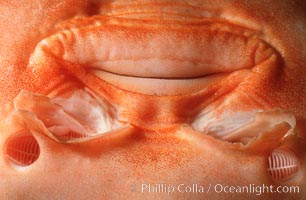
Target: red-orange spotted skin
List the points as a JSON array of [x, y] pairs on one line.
[[113, 96]]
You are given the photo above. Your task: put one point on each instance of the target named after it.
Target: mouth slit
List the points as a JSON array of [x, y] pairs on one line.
[[97, 70], [159, 86]]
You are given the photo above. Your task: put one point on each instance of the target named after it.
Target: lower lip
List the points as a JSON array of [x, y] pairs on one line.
[[158, 86]]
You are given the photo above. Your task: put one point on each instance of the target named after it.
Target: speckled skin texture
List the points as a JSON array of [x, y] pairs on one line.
[[158, 145]]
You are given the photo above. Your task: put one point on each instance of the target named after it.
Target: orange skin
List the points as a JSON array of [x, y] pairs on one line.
[[157, 146]]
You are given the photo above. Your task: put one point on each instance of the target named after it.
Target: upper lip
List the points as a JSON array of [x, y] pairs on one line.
[[187, 51], [156, 50], [183, 53]]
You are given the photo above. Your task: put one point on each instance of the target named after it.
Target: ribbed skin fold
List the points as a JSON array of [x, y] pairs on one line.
[[73, 135], [23, 149], [283, 164]]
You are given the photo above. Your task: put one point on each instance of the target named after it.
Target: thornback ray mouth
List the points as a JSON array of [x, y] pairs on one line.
[[155, 57]]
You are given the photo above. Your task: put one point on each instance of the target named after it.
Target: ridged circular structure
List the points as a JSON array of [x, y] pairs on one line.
[[22, 149], [283, 164]]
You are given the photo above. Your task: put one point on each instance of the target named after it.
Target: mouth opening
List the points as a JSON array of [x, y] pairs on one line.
[[160, 86]]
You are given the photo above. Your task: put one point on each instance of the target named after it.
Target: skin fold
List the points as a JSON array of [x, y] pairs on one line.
[[126, 80]]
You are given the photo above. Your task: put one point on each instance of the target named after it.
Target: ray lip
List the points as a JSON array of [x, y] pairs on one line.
[[157, 49]]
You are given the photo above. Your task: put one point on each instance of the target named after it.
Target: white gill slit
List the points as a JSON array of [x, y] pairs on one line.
[[283, 164], [22, 150]]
